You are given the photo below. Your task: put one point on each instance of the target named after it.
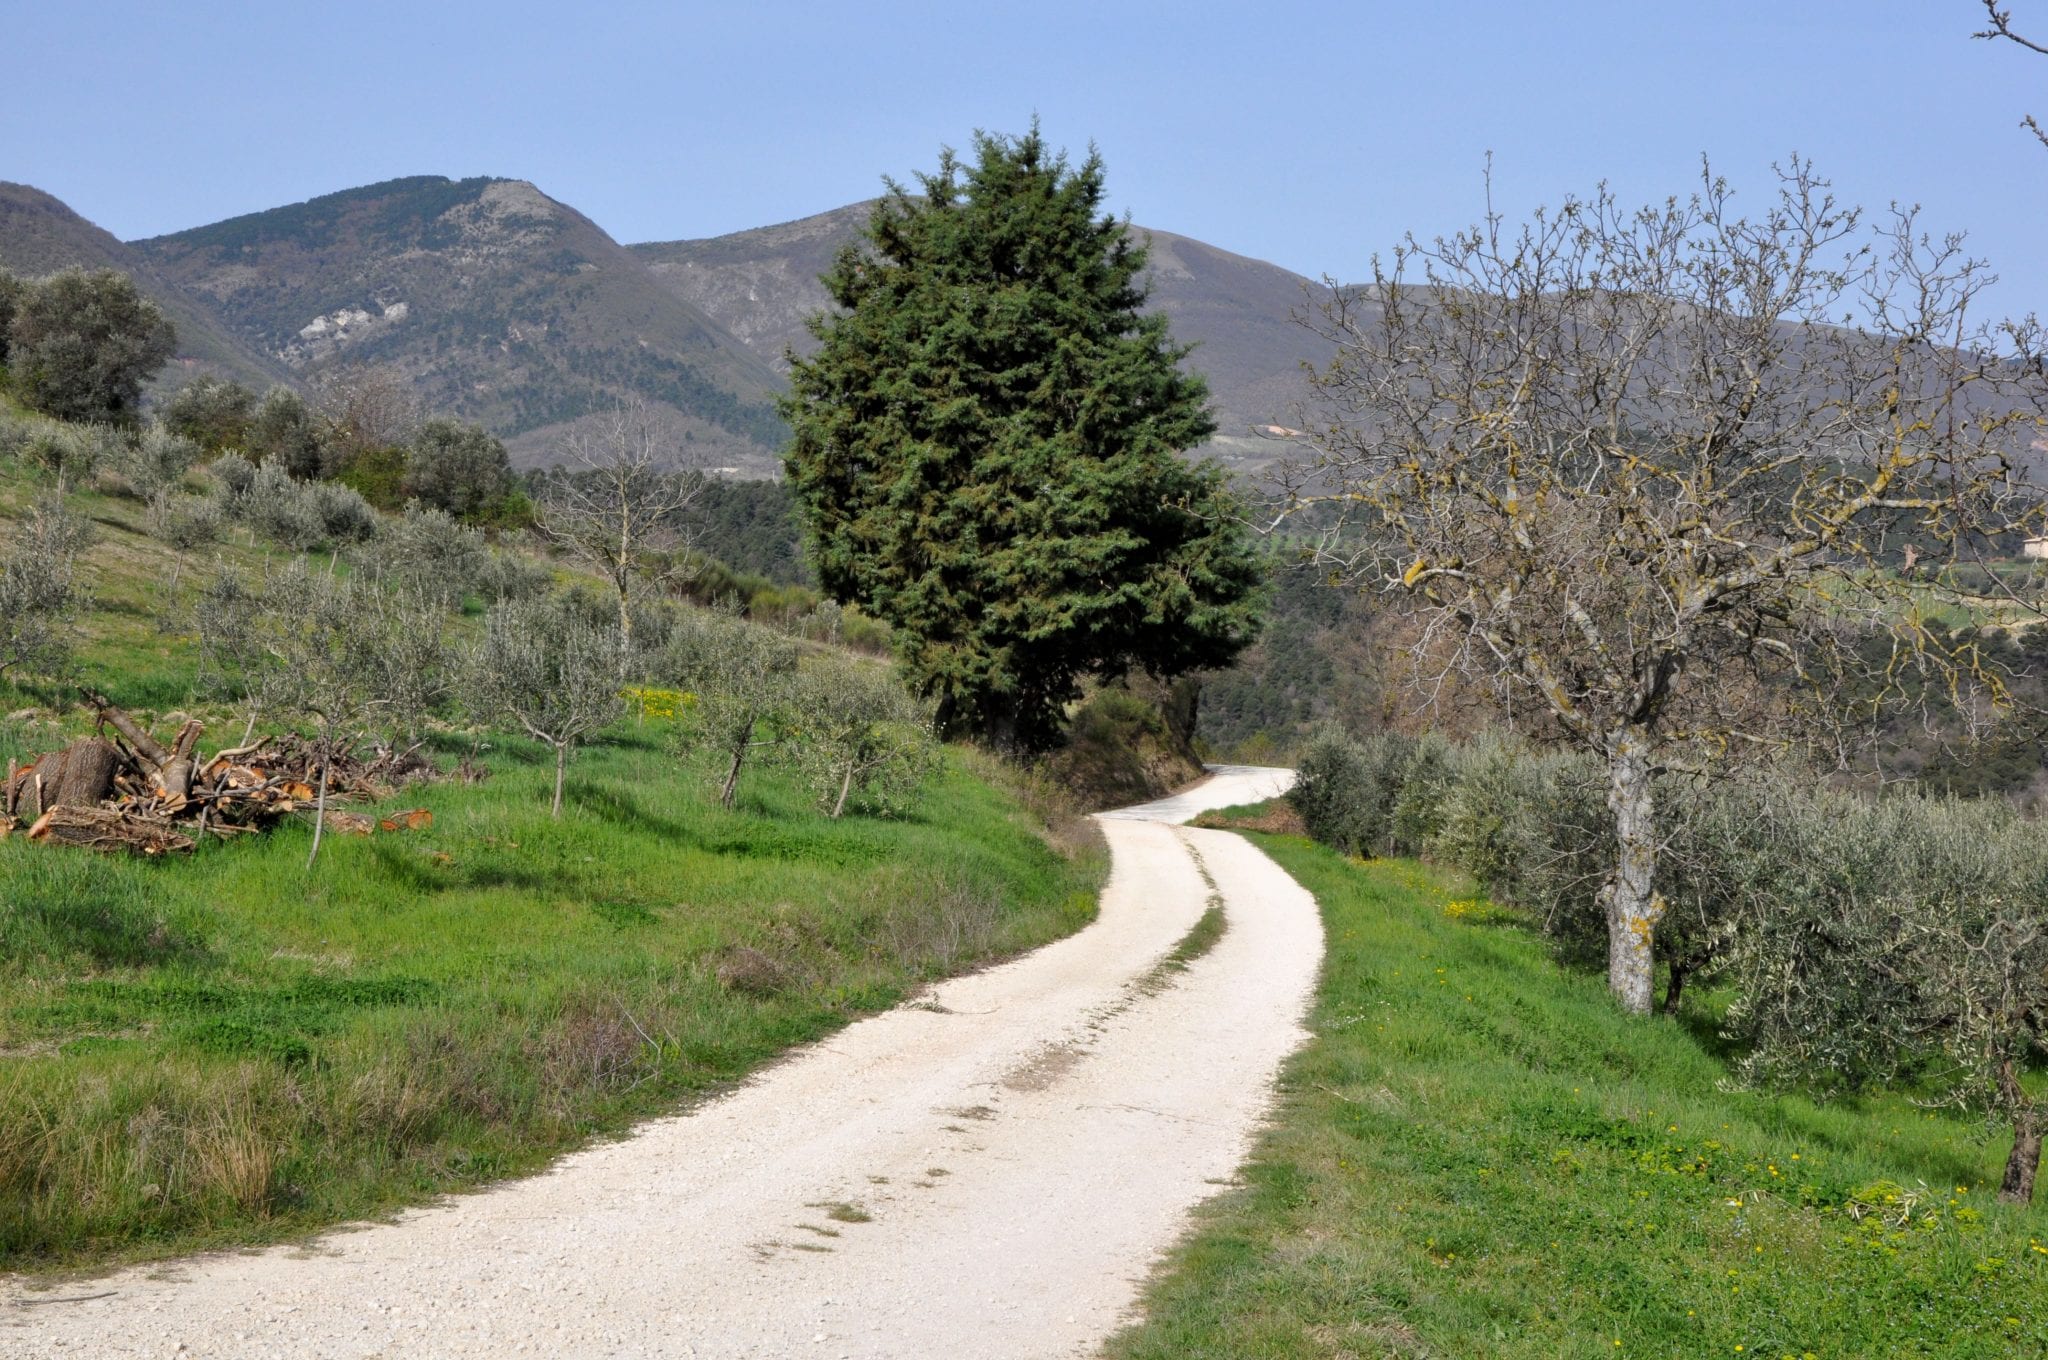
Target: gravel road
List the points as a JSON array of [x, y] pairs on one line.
[[989, 1171]]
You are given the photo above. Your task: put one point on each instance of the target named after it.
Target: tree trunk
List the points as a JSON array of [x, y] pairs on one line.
[[561, 767], [1633, 905], [625, 628], [1674, 990], [2028, 1120], [320, 804], [739, 757], [2025, 1161], [845, 787]]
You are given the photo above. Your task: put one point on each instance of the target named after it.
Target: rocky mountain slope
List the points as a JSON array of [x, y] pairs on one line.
[[40, 235], [502, 305], [497, 302], [1238, 312]]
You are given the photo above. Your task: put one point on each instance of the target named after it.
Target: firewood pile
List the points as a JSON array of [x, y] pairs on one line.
[[122, 789]]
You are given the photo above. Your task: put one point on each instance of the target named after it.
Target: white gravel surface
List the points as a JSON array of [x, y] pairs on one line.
[[989, 1171]]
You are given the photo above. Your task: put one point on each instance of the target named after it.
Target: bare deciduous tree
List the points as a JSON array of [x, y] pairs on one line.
[[365, 407], [2001, 27], [1638, 469], [619, 502]]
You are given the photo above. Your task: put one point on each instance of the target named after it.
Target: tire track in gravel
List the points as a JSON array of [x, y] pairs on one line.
[[988, 1171]]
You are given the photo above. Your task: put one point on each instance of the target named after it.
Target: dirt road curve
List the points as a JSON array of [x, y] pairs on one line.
[[986, 1172]]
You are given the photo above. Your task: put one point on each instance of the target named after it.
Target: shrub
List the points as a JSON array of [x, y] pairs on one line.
[[213, 413], [426, 552], [82, 344], [277, 508], [38, 597], [459, 468]]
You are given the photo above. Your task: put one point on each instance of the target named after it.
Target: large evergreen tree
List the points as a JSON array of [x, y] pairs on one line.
[[987, 444]]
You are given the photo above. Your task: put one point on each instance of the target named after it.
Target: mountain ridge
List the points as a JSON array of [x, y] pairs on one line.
[[501, 304], [497, 302], [1237, 311], [41, 234]]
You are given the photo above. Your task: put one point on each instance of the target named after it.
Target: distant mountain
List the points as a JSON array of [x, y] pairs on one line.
[[1238, 312], [498, 303], [508, 307], [40, 235]]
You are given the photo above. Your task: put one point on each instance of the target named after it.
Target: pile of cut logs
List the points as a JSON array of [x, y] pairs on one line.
[[122, 789]]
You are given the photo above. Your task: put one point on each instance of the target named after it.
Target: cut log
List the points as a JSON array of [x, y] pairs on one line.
[[417, 819], [147, 748], [349, 823], [80, 775], [109, 829]]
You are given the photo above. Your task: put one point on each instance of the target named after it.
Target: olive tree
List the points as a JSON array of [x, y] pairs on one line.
[[461, 469], [1903, 937], [156, 465], [1652, 471], [211, 412], [542, 668], [744, 677], [82, 343], [38, 588], [427, 552], [855, 731], [312, 656]]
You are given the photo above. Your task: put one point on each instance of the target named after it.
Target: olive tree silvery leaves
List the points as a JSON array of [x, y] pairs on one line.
[[155, 466], [859, 737], [1900, 938], [311, 660], [426, 551], [744, 677], [544, 670], [39, 591]]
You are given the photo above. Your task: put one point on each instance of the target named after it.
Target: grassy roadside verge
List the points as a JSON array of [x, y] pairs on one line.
[[227, 1050], [1478, 1156]]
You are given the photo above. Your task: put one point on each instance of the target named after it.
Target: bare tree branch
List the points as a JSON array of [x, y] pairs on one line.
[[1639, 467]]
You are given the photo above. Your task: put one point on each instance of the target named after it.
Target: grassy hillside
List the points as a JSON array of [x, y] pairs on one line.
[[226, 1048], [1477, 1155]]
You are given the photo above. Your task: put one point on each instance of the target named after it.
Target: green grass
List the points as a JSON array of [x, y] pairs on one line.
[[1477, 1155], [226, 1049]]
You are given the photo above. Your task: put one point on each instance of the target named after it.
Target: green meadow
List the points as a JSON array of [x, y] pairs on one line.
[[1478, 1154]]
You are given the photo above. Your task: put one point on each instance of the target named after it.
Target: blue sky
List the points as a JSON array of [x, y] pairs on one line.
[[1309, 134]]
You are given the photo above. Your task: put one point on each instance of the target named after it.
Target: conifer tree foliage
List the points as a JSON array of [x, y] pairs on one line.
[[986, 448]]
